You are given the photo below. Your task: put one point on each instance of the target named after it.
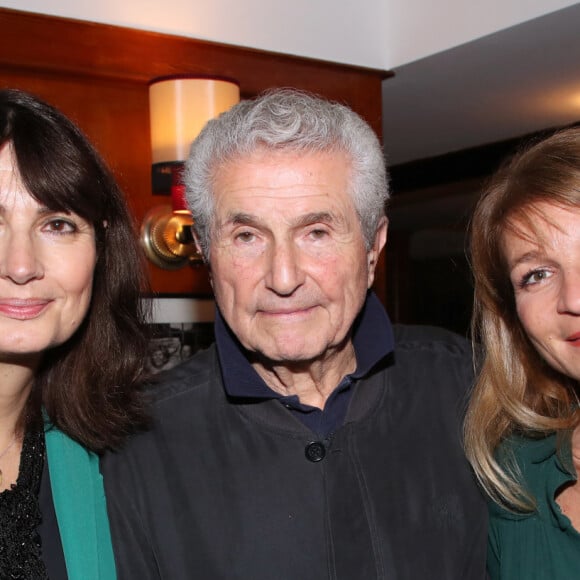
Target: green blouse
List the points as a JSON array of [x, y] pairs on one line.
[[542, 545]]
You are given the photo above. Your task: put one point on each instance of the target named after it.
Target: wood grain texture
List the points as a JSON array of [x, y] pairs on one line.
[[99, 74]]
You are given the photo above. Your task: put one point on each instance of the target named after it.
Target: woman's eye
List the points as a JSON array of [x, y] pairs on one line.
[[534, 277], [61, 226]]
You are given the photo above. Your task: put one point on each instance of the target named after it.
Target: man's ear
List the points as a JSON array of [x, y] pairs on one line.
[[198, 247], [376, 249]]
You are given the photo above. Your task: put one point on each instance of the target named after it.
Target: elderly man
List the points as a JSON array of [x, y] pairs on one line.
[[310, 442]]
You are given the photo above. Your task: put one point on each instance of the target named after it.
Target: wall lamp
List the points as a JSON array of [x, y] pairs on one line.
[[179, 107]]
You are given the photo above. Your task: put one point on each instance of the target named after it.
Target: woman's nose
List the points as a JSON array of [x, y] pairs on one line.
[[19, 258], [569, 297]]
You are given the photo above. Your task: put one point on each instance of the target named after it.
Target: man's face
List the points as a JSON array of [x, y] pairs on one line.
[[288, 261]]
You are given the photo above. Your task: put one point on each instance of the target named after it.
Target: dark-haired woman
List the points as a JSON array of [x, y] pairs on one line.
[[71, 343]]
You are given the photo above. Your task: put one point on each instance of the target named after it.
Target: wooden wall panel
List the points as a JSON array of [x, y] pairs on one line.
[[99, 74]]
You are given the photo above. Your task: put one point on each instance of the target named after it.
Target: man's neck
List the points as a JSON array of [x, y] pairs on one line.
[[311, 381]]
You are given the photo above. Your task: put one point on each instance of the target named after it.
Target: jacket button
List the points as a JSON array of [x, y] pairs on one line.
[[315, 451]]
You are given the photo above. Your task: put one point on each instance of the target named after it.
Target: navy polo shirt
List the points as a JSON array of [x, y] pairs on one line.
[[372, 339]]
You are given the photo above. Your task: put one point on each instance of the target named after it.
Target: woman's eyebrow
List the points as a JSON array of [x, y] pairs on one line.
[[530, 256]]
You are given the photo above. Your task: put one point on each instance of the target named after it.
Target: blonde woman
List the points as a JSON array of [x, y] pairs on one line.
[[522, 430]]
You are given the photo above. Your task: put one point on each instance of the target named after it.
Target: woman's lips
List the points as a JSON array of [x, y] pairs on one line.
[[22, 309]]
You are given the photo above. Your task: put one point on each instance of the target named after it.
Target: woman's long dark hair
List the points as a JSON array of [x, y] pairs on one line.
[[88, 385]]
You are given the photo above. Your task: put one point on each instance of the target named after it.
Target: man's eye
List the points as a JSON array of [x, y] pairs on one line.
[[245, 237], [317, 234]]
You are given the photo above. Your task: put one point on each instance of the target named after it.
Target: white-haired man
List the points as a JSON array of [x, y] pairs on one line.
[[311, 442]]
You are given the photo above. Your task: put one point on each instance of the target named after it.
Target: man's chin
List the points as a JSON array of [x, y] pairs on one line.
[[288, 355]]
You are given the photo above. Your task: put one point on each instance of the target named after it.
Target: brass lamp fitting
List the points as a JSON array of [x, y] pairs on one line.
[[167, 238]]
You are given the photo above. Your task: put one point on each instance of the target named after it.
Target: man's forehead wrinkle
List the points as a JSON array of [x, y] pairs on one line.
[[244, 218], [267, 190]]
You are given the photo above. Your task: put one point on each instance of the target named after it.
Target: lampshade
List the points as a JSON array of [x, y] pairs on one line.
[[180, 107]]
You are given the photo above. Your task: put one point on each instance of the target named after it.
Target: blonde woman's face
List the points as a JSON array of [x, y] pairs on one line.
[[47, 261], [544, 268]]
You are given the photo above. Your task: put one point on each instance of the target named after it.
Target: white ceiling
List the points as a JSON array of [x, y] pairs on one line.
[[374, 33], [507, 84]]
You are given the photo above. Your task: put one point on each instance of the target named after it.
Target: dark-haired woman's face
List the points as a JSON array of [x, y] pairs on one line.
[[47, 260], [544, 267]]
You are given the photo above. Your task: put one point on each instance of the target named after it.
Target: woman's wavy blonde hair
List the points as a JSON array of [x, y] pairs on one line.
[[517, 392]]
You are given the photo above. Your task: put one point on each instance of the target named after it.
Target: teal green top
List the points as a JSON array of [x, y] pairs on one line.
[[79, 501], [542, 545]]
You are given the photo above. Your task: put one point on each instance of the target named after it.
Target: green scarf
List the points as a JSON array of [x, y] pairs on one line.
[[79, 500]]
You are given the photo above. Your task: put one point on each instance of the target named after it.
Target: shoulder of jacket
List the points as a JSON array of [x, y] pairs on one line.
[[431, 338], [187, 377]]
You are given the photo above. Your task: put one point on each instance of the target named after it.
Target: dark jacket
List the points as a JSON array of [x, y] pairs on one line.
[[224, 489]]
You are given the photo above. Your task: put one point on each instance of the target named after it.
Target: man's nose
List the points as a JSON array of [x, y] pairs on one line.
[[19, 258], [285, 272]]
